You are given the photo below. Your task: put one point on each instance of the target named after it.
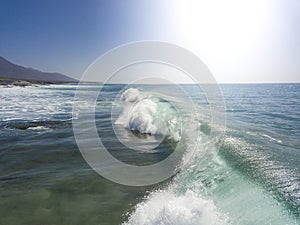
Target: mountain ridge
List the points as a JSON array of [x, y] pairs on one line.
[[9, 70]]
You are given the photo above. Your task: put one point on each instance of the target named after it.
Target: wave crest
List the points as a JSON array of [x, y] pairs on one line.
[[149, 114]]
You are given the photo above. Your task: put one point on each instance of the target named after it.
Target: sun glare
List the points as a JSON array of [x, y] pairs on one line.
[[223, 27]]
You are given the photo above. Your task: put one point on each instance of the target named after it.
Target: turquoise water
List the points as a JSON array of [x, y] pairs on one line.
[[250, 176]]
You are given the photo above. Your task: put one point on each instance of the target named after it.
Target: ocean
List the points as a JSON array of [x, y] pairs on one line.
[[248, 174]]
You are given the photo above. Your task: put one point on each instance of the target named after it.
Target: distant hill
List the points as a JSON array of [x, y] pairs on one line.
[[10, 70]]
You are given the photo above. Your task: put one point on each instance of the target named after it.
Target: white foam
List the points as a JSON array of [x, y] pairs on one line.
[[141, 117], [144, 113], [34, 103], [130, 95], [38, 128], [271, 138], [168, 208], [138, 113]]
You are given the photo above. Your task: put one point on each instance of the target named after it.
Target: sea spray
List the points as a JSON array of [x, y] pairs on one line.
[[149, 114], [165, 207]]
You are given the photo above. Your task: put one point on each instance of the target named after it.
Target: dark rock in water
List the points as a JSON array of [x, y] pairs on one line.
[[24, 125]]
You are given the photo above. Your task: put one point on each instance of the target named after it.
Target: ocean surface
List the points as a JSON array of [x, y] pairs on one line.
[[249, 176]]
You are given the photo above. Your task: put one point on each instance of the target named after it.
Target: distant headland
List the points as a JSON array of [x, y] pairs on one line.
[[12, 74]]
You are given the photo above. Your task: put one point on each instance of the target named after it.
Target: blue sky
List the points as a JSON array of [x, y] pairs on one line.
[[240, 41]]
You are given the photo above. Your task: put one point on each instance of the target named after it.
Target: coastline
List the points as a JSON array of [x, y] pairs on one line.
[[24, 83]]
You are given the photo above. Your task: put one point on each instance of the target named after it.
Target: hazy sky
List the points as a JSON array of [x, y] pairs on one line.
[[240, 41]]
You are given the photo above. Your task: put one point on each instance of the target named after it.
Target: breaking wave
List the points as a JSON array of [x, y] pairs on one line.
[[149, 114]]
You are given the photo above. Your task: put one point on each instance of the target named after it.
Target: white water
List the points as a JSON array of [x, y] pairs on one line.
[[147, 114], [209, 192], [34, 102], [165, 207]]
